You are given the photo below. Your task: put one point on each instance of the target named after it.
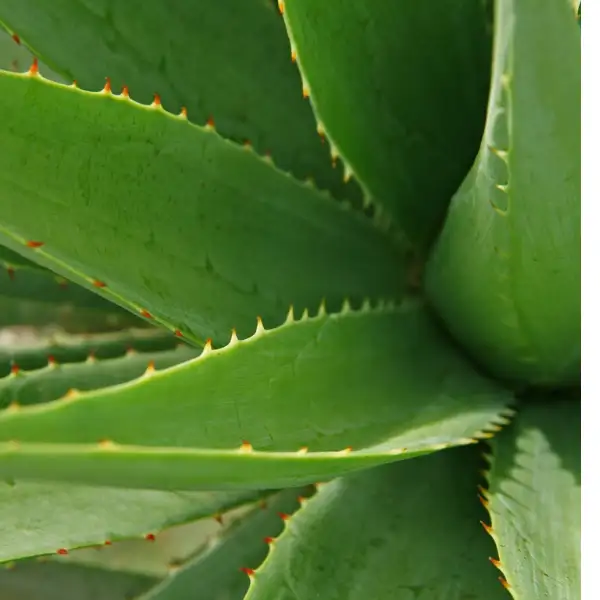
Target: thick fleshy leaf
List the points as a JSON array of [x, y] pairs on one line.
[[400, 88], [211, 235], [42, 518], [55, 380], [221, 570], [58, 348], [224, 60], [397, 532], [311, 399], [535, 500], [505, 274], [30, 580]]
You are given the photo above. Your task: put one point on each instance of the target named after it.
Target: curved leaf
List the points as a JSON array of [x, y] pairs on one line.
[[55, 380], [397, 532], [401, 89], [226, 60], [41, 518], [178, 249], [505, 274], [315, 398], [218, 571], [60, 348], [535, 500]]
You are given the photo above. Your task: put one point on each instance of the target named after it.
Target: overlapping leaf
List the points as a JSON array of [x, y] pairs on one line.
[[505, 274], [160, 215], [315, 398]]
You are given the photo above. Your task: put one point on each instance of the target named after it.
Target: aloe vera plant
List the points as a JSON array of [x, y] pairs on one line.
[[317, 262]]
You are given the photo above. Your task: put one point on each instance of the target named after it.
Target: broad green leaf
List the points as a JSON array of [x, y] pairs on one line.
[[30, 580], [41, 518], [29, 354], [401, 89], [218, 571], [55, 380], [398, 532], [505, 274], [535, 500], [210, 235], [226, 60], [306, 401]]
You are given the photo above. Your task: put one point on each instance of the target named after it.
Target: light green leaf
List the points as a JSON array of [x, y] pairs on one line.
[[29, 354], [401, 90], [55, 380], [30, 580], [179, 247], [218, 571], [315, 398], [398, 532], [226, 60], [535, 500], [41, 518], [505, 274]]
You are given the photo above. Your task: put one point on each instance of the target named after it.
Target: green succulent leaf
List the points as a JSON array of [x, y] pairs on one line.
[[55, 380], [505, 273], [398, 532], [178, 249], [226, 60], [30, 580], [535, 500], [400, 89], [311, 399], [221, 570], [58, 348], [43, 518]]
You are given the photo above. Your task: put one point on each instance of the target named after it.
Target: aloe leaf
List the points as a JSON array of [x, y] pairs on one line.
[[534, 500], [221, 570], [30, 580], [505, 274], [58, 348], [398, 532], [55, 380], [311, 399], [401, 90], [178, 250], [46, 518], [227, 61]]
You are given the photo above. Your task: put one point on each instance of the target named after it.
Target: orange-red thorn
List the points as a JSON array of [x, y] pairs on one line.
[[495, 562], [108, 543], [178, 333], [293, 56], [218, 519], [248, 571], [145, 314], [11, 273], [150, 537], [504, 583], [34, 69], [210, 122], [246, 446], [156, 100], [106, 89], [62, 551], [74, 84], [483, 500], [305, 92], [99, 284], [51, 360], [283, 516], [16, 38], [281, 6], [15, 369], [184, 112], [34, 244], [487, 527], [125, 91], [268, 540]]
